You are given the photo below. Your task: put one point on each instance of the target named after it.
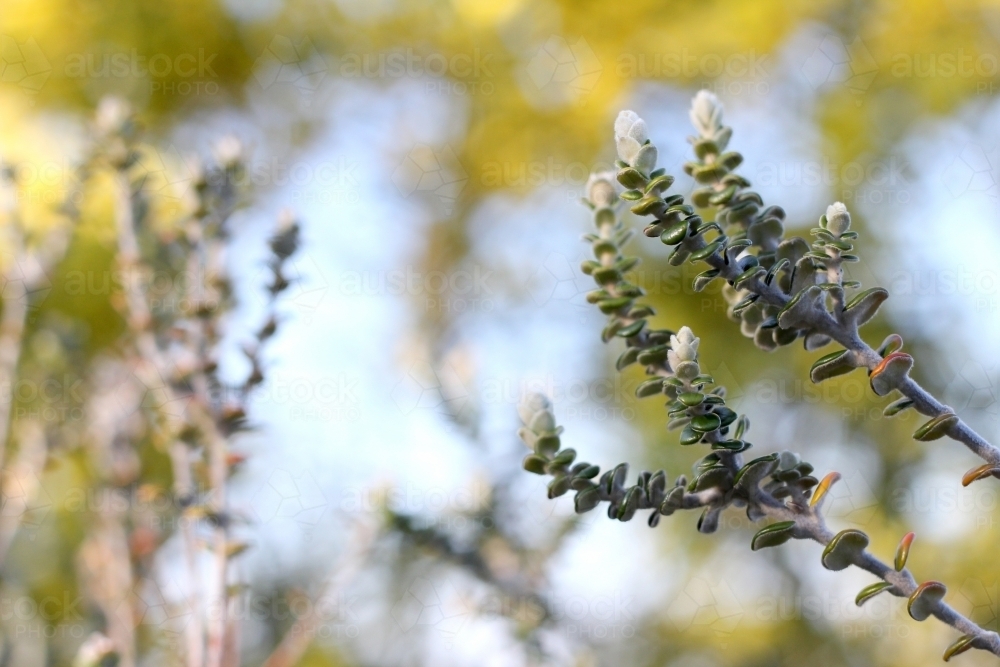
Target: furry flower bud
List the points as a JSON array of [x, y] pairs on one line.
[[838, 219]]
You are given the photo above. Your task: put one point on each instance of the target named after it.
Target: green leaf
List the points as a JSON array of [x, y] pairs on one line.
[[702, 280], [925, 599], [631, 195], [547, 445], [745, 303], [896, 407], [726, 415], [730, 160], [754, 472], [660, 183], [832, 365], [631, 178], [534, 463], [629, 504], [734, 446], [674, 234], [844, 549], [604, 216], [868, 592], [742, 425], [749, 274], [678, 256], [691, 398], [707, 251], [675, 424], [903, 552], [723, 197], [706, 423], [892, 343], [865, 305], [653, 355], [609, 306], [611, 329], [689, 436], [607, 274], [797, 310], [890, 373], [564, 458], [649, 205], [717, 477], [559, 486], [587, 500], [961, 645], [708, 522], [701, 228], [649, 388], [627, 358], [936, 428], [773, 535], [632, 329], [705, 147], [777, 266]]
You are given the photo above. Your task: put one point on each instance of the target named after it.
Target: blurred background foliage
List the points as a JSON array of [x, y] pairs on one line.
[[506, 100]]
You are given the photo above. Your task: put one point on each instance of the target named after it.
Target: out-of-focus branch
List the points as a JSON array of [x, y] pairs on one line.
[[299, 637], [151, 364]]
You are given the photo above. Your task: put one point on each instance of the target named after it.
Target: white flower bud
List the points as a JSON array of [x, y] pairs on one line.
[[630, 135], [838, 219], [624, 122], [683, 347], [638, 131], [531, 404], [542, 422], [685, 352], [113, 114], [685, 335], [228, 151], [601, 189], [706, 113]]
